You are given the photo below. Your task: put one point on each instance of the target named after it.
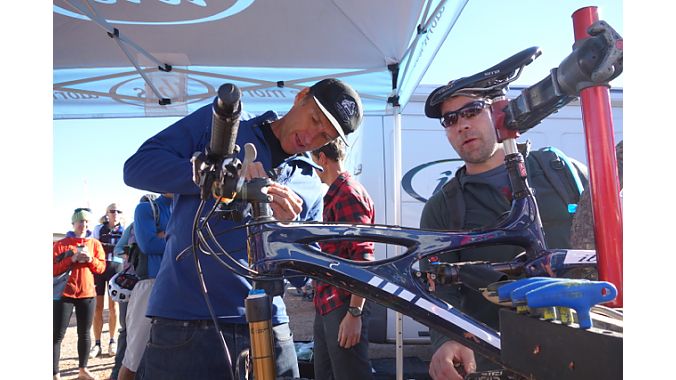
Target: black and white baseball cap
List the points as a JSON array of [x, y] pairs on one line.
[[340, 103]]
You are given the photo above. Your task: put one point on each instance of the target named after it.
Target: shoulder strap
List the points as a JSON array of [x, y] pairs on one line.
[[560, 172], [151, 199], [156, 213], [456, 202]]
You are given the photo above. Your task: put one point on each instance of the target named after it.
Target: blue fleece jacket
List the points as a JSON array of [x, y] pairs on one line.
[[162, 165], [145, 231]]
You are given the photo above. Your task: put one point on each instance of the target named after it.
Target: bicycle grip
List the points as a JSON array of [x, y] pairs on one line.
[[227, 107]]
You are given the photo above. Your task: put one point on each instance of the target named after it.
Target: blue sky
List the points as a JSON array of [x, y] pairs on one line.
[[491, 30], [89, 154]]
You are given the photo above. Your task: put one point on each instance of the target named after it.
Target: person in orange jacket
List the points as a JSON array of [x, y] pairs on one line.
[[83, 256]]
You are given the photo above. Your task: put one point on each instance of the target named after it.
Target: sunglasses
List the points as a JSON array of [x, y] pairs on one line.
[[467, 111], [83, 209], [115, 211]]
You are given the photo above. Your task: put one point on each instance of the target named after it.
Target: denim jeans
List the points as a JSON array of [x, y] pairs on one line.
[[192, 350]]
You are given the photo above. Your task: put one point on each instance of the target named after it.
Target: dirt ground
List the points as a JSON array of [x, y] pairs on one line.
[[301, 314]]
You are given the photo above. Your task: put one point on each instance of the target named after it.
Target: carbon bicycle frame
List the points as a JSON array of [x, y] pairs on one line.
[[283, 249]]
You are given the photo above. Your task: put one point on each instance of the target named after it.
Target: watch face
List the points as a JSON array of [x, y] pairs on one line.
[[355, 311]]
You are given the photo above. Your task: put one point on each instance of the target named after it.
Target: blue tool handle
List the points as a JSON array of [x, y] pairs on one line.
[[578, 295], [505, 291], [518, 295]]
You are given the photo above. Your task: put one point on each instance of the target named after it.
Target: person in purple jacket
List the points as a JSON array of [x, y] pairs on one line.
[[184, 343]]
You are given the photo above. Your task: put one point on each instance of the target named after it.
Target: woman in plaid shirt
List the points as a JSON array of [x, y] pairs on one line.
[[340, 327]]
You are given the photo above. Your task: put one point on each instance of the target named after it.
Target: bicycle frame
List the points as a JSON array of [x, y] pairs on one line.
[[276, 250], [284, 249]]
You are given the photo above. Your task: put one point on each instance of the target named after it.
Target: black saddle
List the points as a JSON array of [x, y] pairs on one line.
[[491, 82]]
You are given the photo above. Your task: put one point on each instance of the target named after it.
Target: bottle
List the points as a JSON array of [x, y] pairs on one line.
[[81, 248]]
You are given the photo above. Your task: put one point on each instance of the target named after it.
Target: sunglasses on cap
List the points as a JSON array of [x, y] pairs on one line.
[[115, 211], [467, 111], [83, 209]]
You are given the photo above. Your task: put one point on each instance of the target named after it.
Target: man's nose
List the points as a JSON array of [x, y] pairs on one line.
[[463, 125]]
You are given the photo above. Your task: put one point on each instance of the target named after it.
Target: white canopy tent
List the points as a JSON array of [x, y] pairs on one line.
[[139, 58], [119, 58]]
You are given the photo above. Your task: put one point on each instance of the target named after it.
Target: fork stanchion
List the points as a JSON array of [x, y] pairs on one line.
[[259, 316]]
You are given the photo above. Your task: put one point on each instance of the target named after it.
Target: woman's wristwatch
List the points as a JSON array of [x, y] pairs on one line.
[[354, 311]]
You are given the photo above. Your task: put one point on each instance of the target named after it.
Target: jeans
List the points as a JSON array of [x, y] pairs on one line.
[[193, 350], [84, 314]]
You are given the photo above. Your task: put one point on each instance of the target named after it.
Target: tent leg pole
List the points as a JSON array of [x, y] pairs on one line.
[[399, 349]]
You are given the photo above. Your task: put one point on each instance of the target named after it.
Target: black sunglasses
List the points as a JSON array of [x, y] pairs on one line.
[[467, 111], [83, 209], [115, 211]]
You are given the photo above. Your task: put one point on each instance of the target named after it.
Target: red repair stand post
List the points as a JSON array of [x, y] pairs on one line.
[[605, 187]]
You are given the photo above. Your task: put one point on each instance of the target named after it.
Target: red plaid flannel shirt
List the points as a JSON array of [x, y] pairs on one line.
[[345, 201]]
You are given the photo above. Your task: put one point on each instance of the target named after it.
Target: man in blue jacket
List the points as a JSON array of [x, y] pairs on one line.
[[150, 223], [183, 341]]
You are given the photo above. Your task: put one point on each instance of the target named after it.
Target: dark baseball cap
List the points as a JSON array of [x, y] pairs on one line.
[[340, 103]]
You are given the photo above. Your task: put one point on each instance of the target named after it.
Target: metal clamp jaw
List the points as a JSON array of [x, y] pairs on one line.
[[594, 61]]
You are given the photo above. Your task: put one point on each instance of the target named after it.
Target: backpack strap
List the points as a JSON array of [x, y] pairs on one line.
[[151, 199], [561, 173], [156, 213], [455, 219], [573, 172]]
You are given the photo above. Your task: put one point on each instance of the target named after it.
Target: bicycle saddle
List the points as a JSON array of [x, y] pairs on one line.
[[490, 83]]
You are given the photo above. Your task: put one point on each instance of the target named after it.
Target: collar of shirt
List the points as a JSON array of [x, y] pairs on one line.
[[336, 185]]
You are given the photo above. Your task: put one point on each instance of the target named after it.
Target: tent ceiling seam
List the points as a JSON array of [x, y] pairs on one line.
[[426, 21], [359, 29], [96, 79], [403, 73], [115, 34]]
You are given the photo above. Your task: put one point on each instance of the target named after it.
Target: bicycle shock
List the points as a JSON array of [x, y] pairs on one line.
[[259, 317]]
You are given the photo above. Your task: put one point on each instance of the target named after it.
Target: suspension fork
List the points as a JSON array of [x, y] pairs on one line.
[[258, 303], [259, 317]]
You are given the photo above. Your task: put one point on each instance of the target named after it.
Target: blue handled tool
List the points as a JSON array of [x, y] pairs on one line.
[[518, 297], [577, 295], [505, 291]]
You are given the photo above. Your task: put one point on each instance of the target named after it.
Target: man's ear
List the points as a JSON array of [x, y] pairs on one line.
[[299, 96]]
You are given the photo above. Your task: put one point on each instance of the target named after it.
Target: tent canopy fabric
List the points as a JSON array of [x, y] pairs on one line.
[[134, 58]]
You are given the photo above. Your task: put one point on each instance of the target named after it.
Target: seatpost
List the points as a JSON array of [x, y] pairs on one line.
[[513, 159]]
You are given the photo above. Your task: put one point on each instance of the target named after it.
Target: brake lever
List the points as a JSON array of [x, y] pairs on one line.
[[250, 154]]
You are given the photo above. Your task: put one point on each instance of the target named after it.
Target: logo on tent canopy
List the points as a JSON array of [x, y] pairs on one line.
[[200, 11]]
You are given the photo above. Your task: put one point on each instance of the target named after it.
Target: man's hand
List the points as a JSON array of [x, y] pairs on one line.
[[255, 170], [286, 205], [450, 354], [349, 331]]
